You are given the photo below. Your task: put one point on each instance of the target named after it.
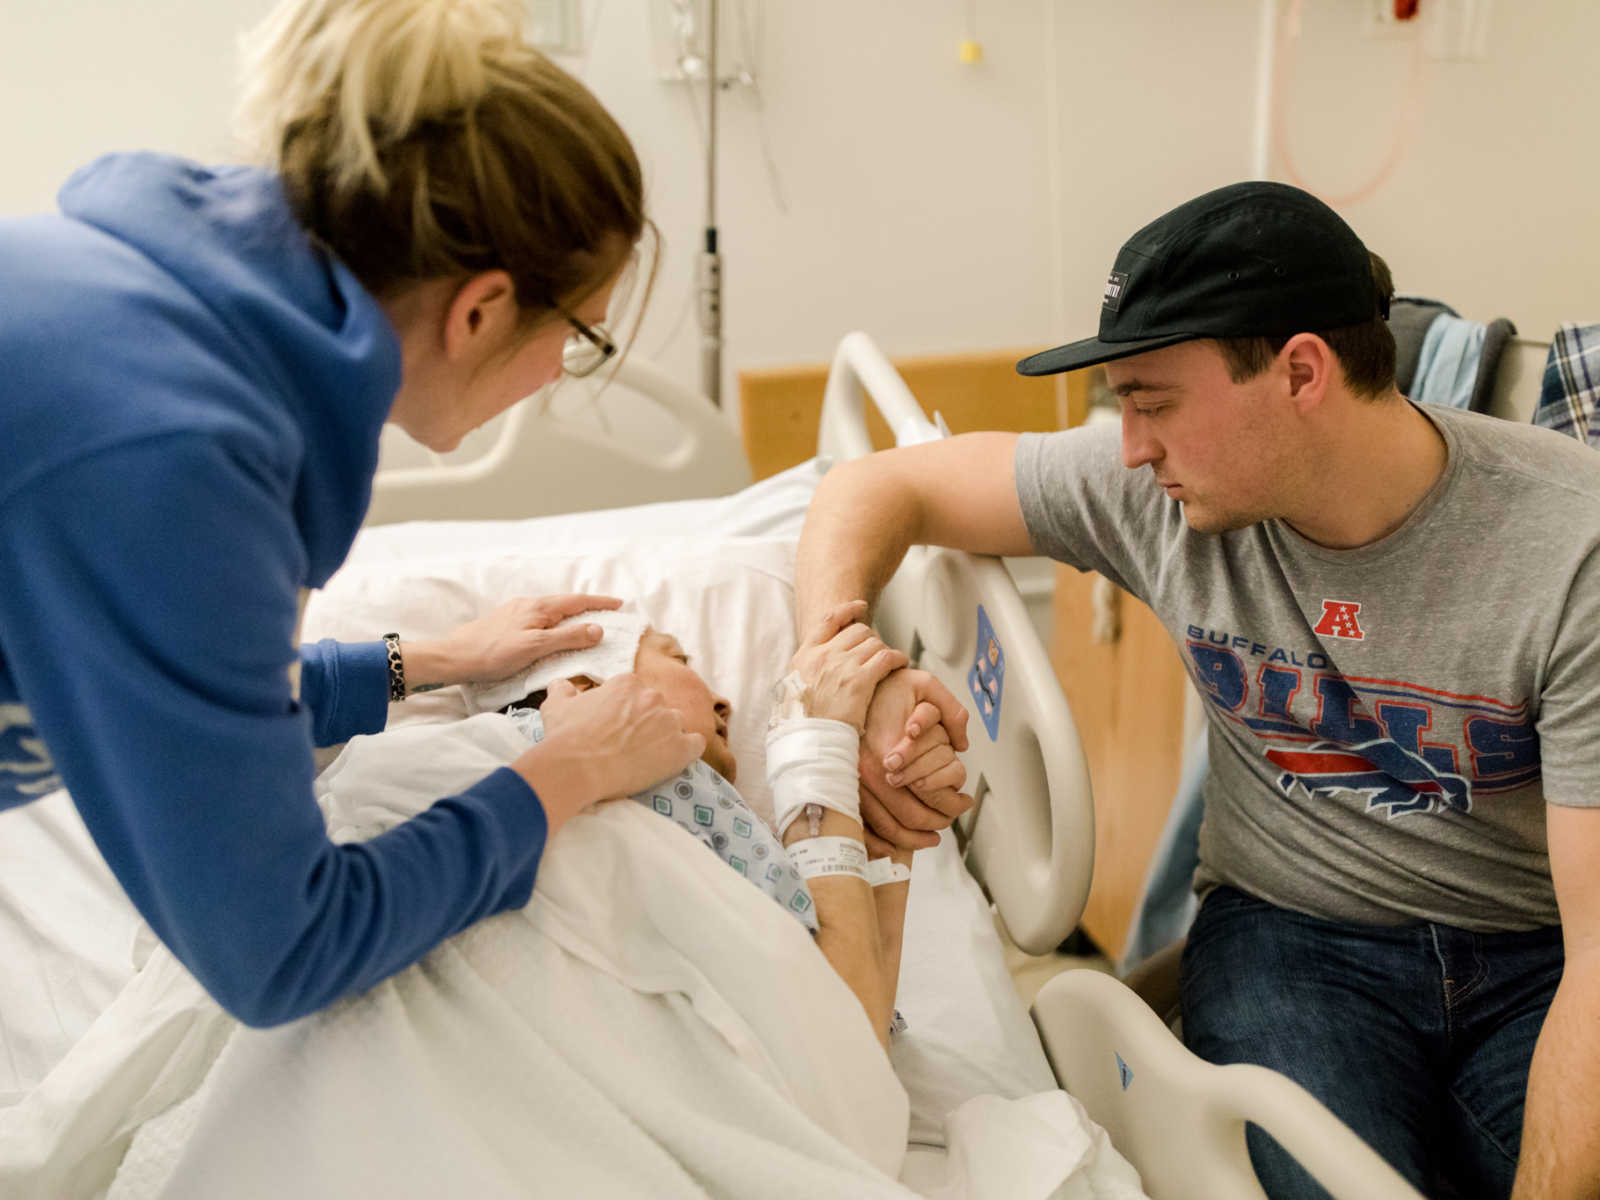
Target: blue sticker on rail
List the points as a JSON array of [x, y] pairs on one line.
[[987, 679], [1124, 1072]]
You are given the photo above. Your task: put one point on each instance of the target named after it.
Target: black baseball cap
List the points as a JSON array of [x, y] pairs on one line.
[[1248, 259]]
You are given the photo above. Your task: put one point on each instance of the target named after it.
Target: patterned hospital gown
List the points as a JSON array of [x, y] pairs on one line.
[[706, 805]]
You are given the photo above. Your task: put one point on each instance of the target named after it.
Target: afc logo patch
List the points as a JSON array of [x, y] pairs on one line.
[[1339, 620]]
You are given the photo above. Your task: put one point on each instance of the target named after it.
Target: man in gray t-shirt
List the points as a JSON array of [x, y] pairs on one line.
[[1393, 614]]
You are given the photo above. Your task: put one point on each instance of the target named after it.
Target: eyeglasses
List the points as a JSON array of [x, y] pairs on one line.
[[588, 348]]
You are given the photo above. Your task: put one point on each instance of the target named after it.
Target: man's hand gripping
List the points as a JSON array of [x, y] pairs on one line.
[[911, 779]]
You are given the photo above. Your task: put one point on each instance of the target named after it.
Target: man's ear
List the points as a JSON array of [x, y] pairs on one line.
[[480, 317], [1312, 367]]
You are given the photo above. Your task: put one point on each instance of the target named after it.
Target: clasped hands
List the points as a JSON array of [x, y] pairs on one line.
[[911, 727]]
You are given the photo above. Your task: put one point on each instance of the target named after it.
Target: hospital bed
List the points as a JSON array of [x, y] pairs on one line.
[[716, 569]]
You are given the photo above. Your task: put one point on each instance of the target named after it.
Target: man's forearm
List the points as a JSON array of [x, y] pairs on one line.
[[1560, 1155], [959, 492], [856, 532]]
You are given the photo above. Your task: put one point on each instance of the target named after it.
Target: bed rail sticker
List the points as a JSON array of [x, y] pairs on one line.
[[988, 675], [1124, 1072]]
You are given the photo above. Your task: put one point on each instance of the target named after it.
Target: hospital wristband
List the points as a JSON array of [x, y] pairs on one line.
[[814, 857], [885, 870]]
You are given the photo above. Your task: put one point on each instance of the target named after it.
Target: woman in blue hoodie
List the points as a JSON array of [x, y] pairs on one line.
[[197, 365]]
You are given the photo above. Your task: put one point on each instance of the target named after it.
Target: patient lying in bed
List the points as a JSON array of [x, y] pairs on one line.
[[857, 929], [650, 1023]]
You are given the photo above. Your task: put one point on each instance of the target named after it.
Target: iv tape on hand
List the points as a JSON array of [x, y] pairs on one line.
[[812, 760]]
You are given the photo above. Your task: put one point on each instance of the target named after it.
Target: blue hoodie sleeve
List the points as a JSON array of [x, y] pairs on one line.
[[346, 687], [148, 624]]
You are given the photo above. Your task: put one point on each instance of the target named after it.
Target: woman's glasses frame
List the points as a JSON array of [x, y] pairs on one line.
[[588, 348]]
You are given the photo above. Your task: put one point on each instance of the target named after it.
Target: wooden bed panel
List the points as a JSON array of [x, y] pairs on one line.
[[1127, 698], [780, 408]]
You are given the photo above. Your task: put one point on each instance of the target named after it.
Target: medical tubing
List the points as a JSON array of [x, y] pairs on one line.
[[812, 760]]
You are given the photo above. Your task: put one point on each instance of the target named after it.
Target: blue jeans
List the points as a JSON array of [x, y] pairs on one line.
[[1417, 1036]]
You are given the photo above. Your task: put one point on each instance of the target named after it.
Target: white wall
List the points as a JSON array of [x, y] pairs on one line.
[[1493, 206], [916, 186], [1155, 100], [80, 77], [942, 206]]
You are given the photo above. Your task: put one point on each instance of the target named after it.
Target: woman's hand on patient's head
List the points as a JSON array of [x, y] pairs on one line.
[[609, 741], [841, 664], [504, 641]]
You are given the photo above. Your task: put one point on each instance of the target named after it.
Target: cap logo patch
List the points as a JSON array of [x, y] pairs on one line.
[[1116, 285]]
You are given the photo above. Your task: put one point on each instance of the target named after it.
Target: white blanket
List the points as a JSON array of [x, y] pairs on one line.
[[650, 1024]]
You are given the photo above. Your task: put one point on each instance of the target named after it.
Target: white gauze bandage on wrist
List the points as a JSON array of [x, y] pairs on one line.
[[612, 655], [817, 856], [812, 760]]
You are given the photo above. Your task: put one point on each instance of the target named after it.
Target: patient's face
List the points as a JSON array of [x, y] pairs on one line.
[[662, 663]]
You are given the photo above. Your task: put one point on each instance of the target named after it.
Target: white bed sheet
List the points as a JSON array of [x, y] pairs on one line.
[[69, 939], [722, 599], [720, 1055], [716, 572], [776, 506]]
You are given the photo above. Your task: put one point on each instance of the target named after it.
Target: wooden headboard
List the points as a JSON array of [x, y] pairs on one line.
[[781, 407]]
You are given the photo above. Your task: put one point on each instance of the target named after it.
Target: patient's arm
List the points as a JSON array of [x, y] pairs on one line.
[[839, 666], [890, 901], [848, 933]]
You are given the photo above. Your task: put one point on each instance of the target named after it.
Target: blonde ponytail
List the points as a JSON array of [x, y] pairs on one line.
[[421, 139]]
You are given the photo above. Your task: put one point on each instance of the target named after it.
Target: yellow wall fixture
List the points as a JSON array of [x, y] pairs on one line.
[[971, 49]]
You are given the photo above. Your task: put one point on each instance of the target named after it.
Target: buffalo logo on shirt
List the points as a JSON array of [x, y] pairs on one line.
[[1391, 777], [1406, 747]]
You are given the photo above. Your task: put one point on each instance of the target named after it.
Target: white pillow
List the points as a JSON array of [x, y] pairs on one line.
[[774, 507], [730, 602]]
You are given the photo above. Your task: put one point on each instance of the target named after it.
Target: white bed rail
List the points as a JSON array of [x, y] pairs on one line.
[[1181, 1120], [545, 464], [1030, 838]]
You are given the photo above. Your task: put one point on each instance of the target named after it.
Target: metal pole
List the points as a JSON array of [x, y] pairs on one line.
[[710, 273]]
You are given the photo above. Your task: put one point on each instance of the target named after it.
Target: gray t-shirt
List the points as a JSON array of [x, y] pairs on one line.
[[1386, 723]]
